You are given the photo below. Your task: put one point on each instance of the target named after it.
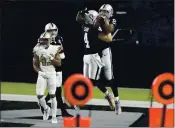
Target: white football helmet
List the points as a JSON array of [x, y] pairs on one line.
[[106, 10], [90, 17], [45, 39], [52, 29]]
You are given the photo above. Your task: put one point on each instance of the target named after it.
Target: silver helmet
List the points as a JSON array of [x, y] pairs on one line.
[[90, 17], [52, 29], [106, 10], [45, 39]]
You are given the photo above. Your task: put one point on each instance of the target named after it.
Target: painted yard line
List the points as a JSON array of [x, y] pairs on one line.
[[99, 102]]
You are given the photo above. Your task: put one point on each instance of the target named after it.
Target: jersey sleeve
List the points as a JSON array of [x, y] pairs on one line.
[[35, 48]]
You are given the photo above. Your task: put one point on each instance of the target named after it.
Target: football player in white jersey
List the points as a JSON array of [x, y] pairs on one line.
[[46, 57], [106, 11], [57, 41]]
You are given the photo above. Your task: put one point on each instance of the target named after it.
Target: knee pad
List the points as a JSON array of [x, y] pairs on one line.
[[40, 96], [52, 96]]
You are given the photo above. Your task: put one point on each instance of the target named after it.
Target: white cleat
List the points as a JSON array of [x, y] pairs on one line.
[[110, 99], [118, 109], [46, 113], [54, 120]]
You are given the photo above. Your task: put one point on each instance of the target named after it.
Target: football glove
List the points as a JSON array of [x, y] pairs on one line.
[[83, 12]]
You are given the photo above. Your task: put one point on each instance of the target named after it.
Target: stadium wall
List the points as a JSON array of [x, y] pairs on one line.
[[135, 65]]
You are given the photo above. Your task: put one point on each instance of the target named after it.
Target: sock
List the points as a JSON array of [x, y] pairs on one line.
[[59, 99], [54, 106], [117, 99], [47, 98], [106, 93], [43, 103], [114, 88], [101, 87]]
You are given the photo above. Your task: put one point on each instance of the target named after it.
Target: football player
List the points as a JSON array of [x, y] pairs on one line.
[[57, 41], [46, 57], [92, 61], [106, 13]]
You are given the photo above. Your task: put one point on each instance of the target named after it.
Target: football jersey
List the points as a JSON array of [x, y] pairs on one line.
[[45, 64], [112, 20], [58, 41], [36, 48], [91, 43]]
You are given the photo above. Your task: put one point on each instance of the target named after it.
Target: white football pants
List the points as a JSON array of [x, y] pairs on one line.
[[59, 79], [92, 66], [46, 80], [107, 60]]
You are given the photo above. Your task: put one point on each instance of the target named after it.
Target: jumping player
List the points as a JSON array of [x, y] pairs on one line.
[[92, 61], [106, 13]]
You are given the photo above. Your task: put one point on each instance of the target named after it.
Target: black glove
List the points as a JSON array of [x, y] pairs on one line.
[[82, 12]]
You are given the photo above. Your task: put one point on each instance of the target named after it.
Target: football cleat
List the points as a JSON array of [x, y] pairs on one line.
[[118, 109], [46, 113], [54, 120], [110, 99]]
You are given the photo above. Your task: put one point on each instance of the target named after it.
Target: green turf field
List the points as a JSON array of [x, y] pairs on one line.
[[29, 89]]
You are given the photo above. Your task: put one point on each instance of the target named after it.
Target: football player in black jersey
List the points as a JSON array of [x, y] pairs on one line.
[[107, 24], [93, 46], [106, 11], [57, 40]]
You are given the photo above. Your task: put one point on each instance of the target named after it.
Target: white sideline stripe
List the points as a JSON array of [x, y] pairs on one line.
[[101, 102]]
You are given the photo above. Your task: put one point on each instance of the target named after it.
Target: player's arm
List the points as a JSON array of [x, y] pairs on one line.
[[105, 37], [106, 25], [36, 63], [56, 61], [80, 16]]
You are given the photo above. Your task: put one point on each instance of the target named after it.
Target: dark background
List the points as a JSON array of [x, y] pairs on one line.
[[134, 65]]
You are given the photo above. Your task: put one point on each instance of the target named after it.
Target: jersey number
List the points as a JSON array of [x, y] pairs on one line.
[[86, 40], [44, 61]]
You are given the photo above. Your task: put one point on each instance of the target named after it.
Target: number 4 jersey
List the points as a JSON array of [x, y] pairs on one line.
[[91, 41]]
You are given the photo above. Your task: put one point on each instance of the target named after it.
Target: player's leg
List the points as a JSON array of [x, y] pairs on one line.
[[59, 95], [95, 71], [52, 89], [108, 73], [47, 98], [40, 89], [85, 67]]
